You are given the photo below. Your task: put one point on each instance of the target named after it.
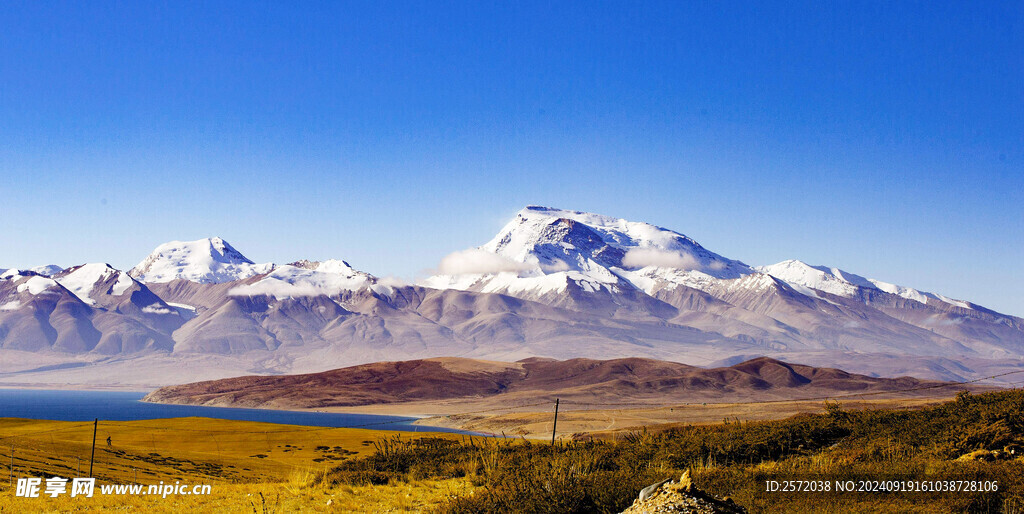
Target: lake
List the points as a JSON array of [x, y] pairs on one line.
[[125, 406]]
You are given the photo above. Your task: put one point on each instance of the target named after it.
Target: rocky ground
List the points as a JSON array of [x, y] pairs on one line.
[[680, 496]]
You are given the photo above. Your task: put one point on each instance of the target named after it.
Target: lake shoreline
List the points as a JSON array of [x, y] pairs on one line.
[[86, 405]]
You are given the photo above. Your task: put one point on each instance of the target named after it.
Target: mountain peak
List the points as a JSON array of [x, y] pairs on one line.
[[47, 270], [208, 260], [580, 240], [548, 247], [15, 272], [822, 278], [224, 250], [82, 280]]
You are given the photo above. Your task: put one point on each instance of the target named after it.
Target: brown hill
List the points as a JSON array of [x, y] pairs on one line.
[[580, 382]]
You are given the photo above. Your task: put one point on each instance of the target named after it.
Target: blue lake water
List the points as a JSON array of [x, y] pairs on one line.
[[125, 406]]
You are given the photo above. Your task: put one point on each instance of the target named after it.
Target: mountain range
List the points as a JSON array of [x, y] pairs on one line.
[[552, 283]]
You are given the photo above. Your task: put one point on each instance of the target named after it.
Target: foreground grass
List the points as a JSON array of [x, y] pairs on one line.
[[734, 459], [252, 467], [974, 437], [295, 495], [608, 423], [187, 449]]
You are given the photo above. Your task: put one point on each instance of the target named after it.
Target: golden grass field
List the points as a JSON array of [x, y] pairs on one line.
[[266, 467], [607, 422], [250, 465]]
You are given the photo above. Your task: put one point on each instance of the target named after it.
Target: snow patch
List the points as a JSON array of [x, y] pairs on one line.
[[186, 311], [124, 281], [36, 285], [335, 266], [905, 292], [512, 284], [958, 303]]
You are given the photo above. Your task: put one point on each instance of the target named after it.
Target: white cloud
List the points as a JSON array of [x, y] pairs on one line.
[[476, 261], [555, 267], [156, 308], [279, 289], [643, 257], [391, 281], [313, 285]]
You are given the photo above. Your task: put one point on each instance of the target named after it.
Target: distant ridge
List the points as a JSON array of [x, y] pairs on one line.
[[582, 380]]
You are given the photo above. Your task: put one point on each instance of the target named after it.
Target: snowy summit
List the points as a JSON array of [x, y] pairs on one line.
[[206, 261], [545, 249]]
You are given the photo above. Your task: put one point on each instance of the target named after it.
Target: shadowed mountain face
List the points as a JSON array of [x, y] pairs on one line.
[[553, 283], [574, 380]]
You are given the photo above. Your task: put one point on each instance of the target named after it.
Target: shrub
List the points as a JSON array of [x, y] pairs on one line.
[[728, 459]]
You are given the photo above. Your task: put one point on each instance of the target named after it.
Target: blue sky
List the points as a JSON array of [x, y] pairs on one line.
[[883, 138]]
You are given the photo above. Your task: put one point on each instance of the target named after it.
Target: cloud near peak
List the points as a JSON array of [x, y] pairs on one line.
[[643, 257], [477, 261]]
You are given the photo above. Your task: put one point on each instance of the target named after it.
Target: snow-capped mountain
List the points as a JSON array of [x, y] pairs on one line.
[[306, 278], [551, 283], [103, 287], [83, 280], [206, 261], [40, 313], [544, 250], [842, 283], [28, 282], [551, 255]]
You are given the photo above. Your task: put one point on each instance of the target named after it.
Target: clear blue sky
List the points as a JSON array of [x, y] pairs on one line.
[[883, 138]]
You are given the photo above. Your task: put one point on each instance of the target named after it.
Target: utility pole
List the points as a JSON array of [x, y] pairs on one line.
[[555, 425], [95, 425]]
